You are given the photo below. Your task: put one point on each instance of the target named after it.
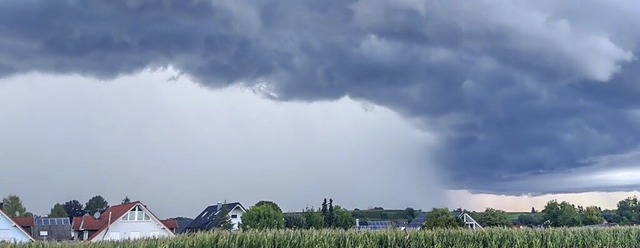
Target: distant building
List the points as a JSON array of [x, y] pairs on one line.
[[181, 224], [127, 221], [418, 221], [206, 220], [26, 223], [171, 224], [53, 229], [374, 225]]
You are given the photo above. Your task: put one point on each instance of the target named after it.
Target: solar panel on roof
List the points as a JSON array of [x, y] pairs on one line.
[[52, 221]]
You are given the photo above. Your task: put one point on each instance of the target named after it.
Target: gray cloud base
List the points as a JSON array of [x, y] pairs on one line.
[[516, 89]]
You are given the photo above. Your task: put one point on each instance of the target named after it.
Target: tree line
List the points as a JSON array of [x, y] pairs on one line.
[[554, 214], [13, 207], [268, 215]]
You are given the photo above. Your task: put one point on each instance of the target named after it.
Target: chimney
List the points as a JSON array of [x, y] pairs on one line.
[[219, 206], [357, 223]]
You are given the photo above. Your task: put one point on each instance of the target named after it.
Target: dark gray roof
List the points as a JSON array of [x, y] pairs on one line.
[[205, 219], [418, 221], [182, 224]]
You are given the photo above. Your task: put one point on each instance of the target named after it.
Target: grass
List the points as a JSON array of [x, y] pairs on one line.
[[574, 237]]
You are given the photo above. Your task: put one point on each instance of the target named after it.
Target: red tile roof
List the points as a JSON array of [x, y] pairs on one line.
[[86, 223], [171, 224], [91, 224], [24, 221]]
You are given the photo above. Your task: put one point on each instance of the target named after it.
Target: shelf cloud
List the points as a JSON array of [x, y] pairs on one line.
[[515, 90]]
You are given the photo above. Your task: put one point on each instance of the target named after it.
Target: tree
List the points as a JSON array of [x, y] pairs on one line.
[[592, 216], [533, 210], [295, 221], [222, 221], [73, 208], [325, 212], [442, 218], [561, 214], [262, 217], [628, 211], [96, 203], [529, 220], [611, 216], [410, 213], [332, 215], [126, 200], [494, 218], [344, 219], [58, 211], [13, 207], [313, 219], [269, 203]]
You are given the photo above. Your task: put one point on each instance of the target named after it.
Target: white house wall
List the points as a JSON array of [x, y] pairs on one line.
[[122, 230], [11, 233], [236, 221]]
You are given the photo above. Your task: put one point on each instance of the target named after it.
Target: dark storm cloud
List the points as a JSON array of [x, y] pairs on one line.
[[516, 89]]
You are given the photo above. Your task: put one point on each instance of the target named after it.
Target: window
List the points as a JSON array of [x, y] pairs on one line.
[[136, 214], [234, 216]]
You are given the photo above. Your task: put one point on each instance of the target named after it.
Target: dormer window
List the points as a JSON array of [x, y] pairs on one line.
[[136, 214]]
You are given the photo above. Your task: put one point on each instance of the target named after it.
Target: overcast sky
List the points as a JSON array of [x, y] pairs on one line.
[[371, 102]]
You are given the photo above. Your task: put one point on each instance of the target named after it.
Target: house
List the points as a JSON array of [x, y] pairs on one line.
[[51, 229], [177, 225], [374, 225], [127, 221], [45, 229], [418, 221], [207, 219], [468, 221], [26, 223], [171, 224], [10, 231]]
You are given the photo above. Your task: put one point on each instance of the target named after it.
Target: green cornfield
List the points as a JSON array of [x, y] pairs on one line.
[[574, 237]]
